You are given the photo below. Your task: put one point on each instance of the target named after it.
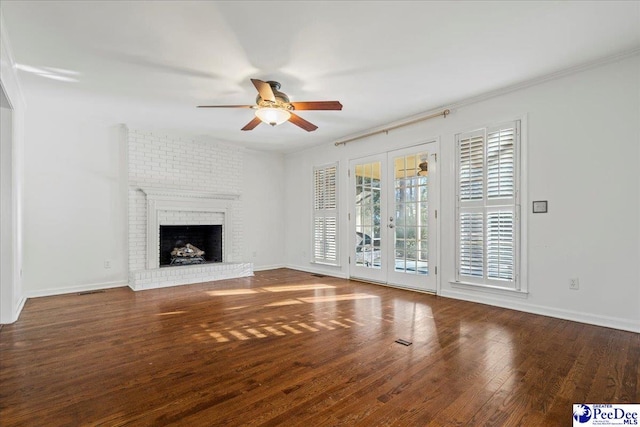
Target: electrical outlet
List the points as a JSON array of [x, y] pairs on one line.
[[254, 254], [107, 263], [574, 284]]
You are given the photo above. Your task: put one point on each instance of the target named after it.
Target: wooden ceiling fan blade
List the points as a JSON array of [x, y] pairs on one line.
[[226, 106], [317, 105], [264, 89], [299, 121], [252, 124]]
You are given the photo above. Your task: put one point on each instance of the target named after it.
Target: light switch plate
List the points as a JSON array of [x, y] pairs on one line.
[[540, 206]]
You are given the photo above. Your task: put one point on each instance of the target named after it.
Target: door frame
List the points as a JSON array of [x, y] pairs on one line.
[[434, 199]]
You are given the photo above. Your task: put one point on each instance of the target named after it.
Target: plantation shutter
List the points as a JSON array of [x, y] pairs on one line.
[[500, 160], [471, 244], [325, 222], [487, 223], [472, 168], [500, 245]]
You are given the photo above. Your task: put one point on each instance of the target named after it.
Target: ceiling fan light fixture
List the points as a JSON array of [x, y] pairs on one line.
[[273, 116]]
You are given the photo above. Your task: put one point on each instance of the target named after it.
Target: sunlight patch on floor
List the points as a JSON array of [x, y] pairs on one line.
[[274, 331], [218, 337], [331, 328], [291, 329], [283, 288], [284, 302], [230, 292], [256, 333], [276, 327], [307, 327], [239, 335], [332, 298], [290, 288], [325, 317], [335, 322]]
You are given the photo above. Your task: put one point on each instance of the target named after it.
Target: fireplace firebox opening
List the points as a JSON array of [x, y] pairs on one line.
[[190, 244]]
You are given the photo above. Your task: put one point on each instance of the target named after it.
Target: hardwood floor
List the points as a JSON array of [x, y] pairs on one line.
[[289, 348]]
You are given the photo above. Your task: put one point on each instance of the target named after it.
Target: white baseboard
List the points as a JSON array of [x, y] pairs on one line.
[[575, 316], [16, 313], [74, 289], [20, 306], [268, 267], [307, 269]]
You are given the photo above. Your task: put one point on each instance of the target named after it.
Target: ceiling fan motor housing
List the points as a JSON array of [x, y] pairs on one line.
[[282, 99]]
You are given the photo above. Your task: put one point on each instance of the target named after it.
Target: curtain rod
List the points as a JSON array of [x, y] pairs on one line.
[[444, 113]]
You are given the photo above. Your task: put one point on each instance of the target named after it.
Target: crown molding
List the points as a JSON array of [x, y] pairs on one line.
[[547, 77], [491, 94]]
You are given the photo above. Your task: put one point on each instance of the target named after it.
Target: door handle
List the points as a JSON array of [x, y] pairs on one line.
[[391, 226]]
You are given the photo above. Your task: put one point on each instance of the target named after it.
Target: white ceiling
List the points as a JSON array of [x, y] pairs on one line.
[[148, 64]]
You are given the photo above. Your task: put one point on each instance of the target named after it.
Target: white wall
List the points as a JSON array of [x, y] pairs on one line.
[[263, 206], [11, 183], [6, 212], [582, 133], [75, 201]]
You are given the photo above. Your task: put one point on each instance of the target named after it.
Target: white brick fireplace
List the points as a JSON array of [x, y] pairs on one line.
[[175, 181]]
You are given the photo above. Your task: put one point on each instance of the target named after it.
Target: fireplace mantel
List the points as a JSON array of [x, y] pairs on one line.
[[156, 193], [159, 200]]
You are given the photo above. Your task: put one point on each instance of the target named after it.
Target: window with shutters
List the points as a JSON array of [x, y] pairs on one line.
[[487, 206], [325, 214]]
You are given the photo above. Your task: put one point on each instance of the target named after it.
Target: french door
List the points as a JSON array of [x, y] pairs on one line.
[[393, 220]]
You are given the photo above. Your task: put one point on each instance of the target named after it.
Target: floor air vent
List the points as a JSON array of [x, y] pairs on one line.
[[318, 275], [91, 292], [403, 342]]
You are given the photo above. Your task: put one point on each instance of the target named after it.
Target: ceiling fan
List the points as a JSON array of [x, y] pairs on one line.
[[273, 107]]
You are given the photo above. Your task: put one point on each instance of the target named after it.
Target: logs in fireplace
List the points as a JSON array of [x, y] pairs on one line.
[[188, 254], [190, 244]]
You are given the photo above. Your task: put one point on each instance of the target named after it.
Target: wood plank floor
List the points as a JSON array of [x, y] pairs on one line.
[[289, 348]]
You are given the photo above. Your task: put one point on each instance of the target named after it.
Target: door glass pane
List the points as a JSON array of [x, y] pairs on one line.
[[411, 240], [367, 215]]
